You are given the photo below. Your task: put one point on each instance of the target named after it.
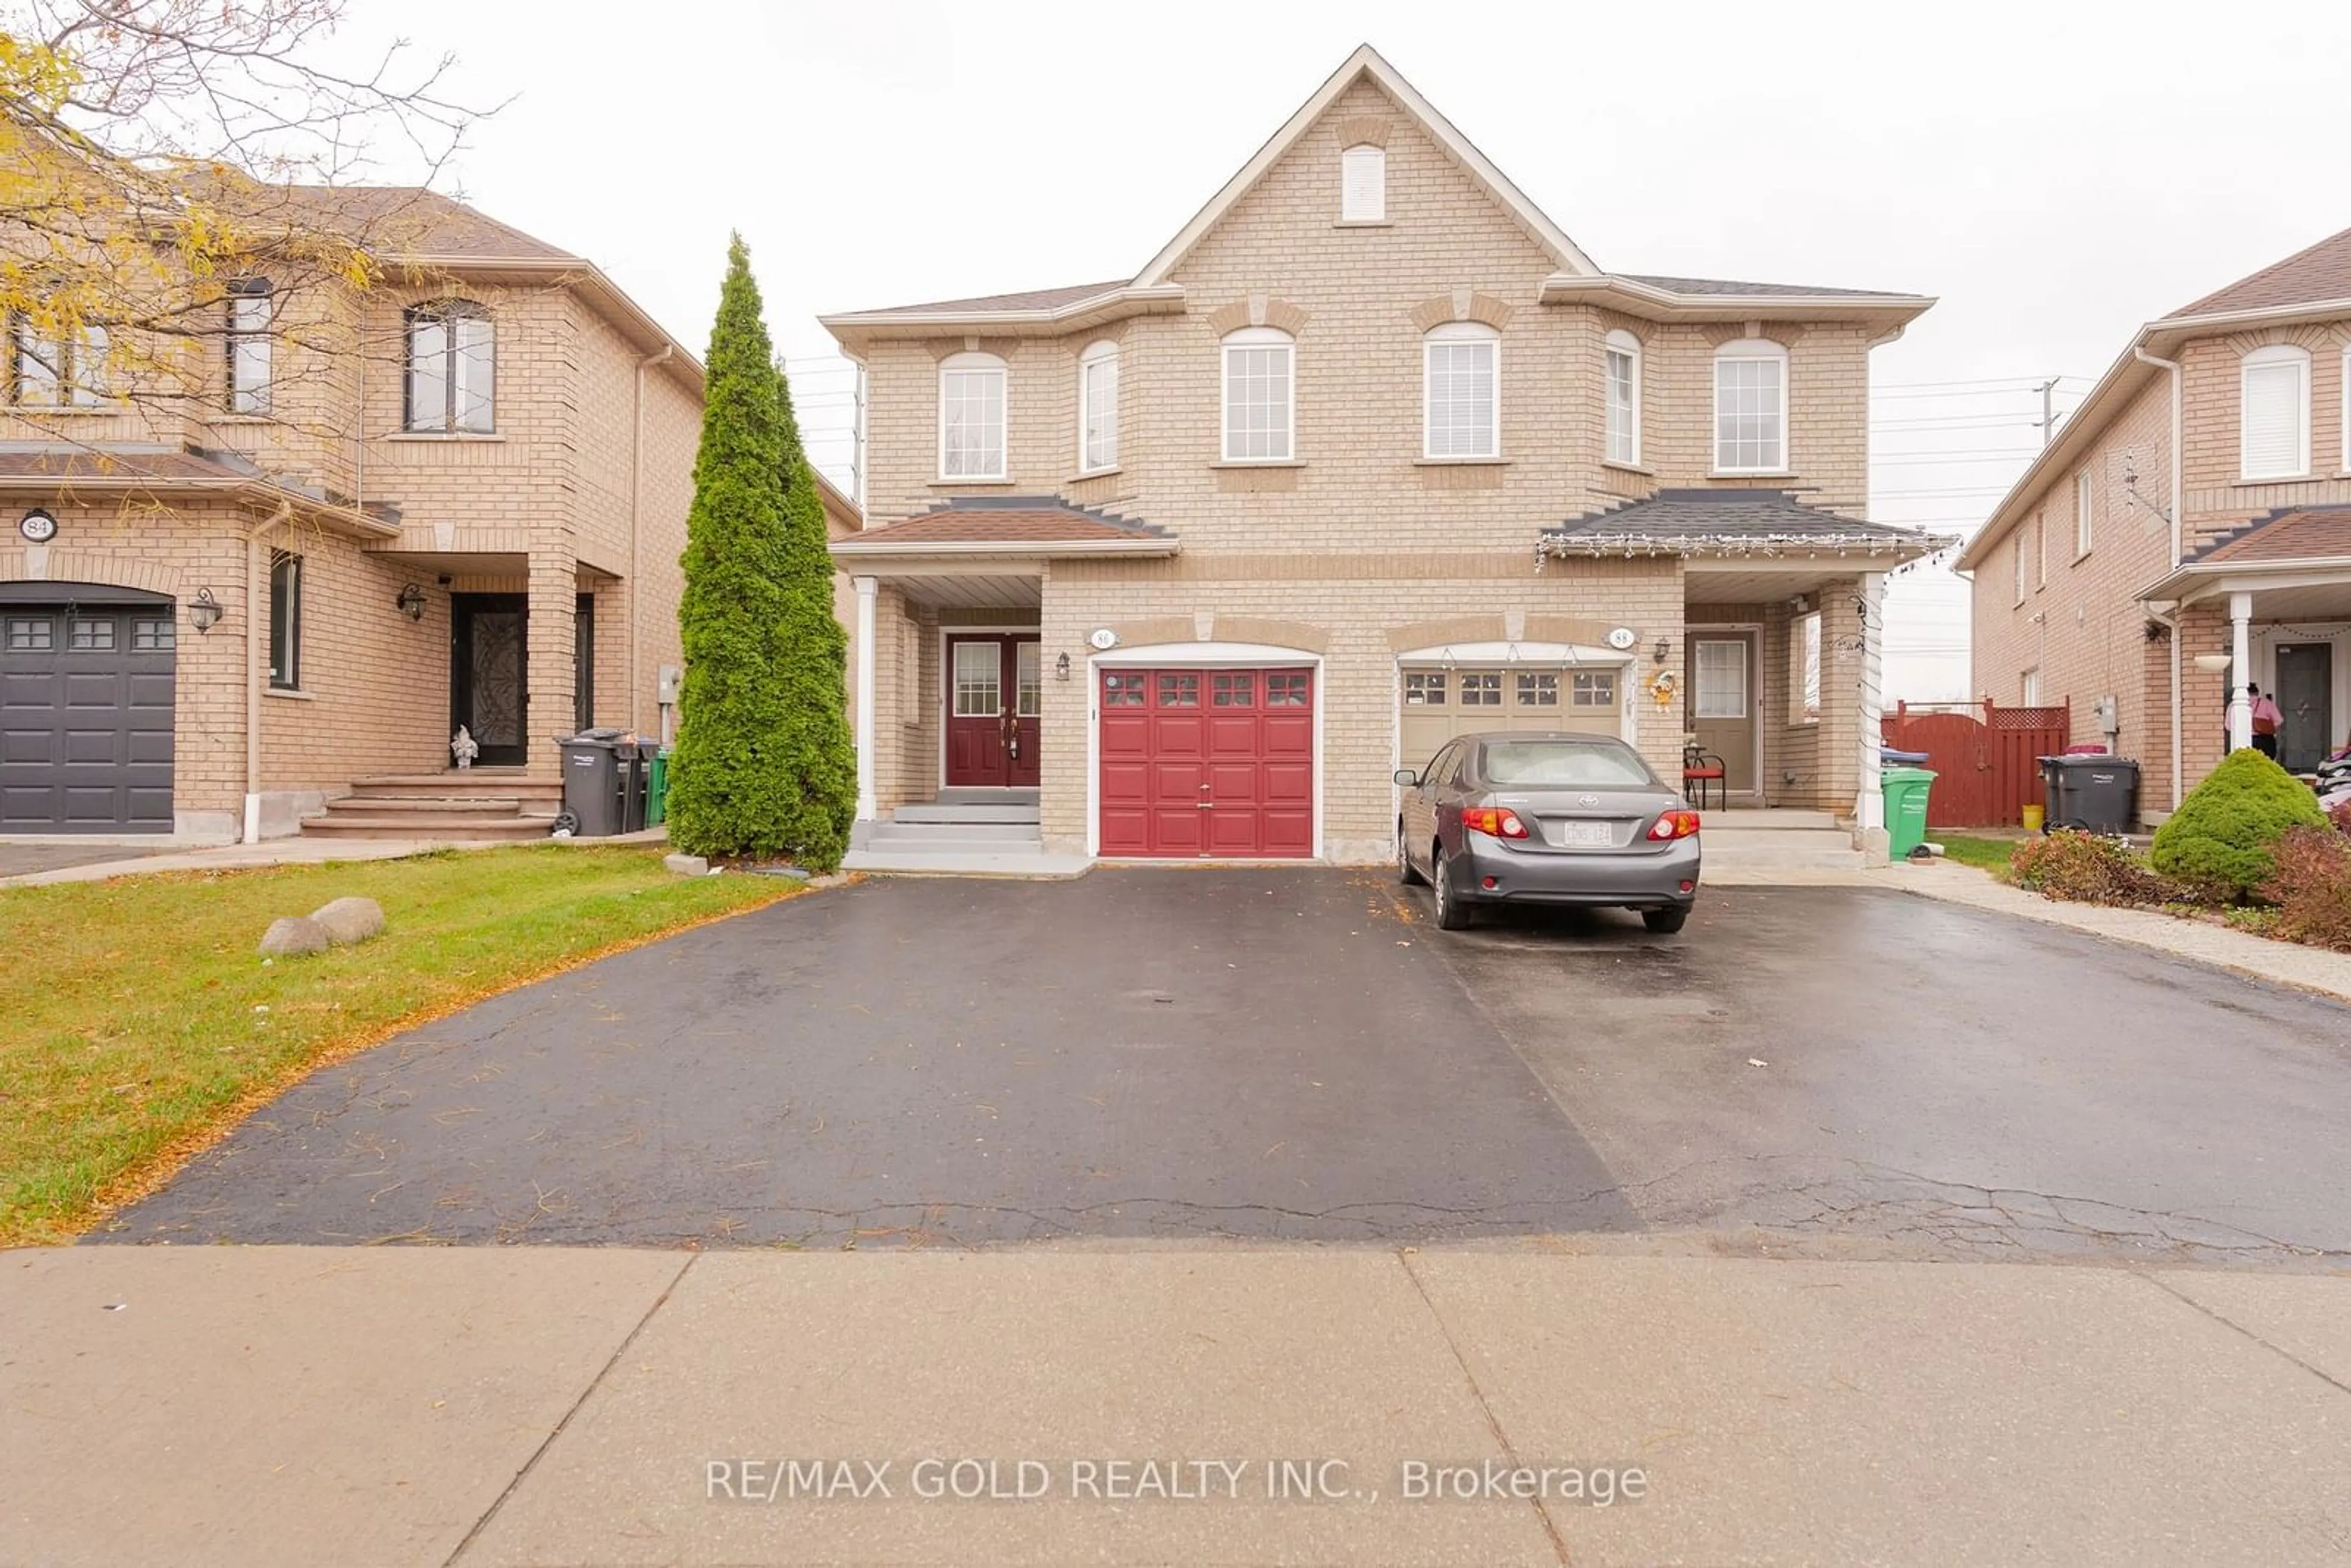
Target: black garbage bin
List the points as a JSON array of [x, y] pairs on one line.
[[2096, 794], [628, 765], [594, 792]]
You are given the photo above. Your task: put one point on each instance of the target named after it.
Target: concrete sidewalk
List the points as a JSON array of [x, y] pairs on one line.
[[265, 1406]]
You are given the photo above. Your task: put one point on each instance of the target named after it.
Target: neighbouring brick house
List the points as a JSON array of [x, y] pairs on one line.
[[1369, 455], [2188, 533], [316, 565]]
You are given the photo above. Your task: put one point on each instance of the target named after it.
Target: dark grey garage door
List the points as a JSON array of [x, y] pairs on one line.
[[86, 678]]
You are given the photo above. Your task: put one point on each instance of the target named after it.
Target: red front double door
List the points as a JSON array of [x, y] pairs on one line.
[[1207, 762], [992, 705]]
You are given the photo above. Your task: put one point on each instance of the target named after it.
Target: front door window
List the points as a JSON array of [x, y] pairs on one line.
[[1030, 697], [994, 703], [978, 680]]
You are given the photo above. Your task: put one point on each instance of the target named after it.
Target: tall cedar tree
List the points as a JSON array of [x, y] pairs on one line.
[[764, 765]]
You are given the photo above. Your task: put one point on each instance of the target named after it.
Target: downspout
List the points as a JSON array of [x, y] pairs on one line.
[[2178, 514], [636, 502]]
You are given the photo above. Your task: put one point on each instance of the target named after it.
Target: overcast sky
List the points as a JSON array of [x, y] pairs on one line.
[[2055, 173]]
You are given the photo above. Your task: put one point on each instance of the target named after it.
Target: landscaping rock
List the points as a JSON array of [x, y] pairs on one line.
[[293, 937], [687, 865], [350, 919]]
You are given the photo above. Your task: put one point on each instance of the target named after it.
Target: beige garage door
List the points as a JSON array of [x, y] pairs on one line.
[[1438, 705]]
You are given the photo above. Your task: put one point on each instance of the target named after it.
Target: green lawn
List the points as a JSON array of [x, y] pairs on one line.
[[1970, 849], [142, 1023]]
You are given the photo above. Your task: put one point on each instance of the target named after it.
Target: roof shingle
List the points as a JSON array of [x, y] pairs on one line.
[[2296, 533], [1698, 521], [991, 304], [1010, 521], [1704, 286], [2317, 275]]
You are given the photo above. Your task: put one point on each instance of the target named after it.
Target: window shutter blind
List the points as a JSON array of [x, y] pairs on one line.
[[1363, 184], [2273, 414]]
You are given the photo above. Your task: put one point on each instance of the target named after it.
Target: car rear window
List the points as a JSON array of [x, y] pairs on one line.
[[1570, 763]]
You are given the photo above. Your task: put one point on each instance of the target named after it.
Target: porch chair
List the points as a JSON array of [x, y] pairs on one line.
[[1703, 769]]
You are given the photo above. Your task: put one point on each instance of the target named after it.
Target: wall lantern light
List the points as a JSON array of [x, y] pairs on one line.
[[1664, 647], [1060, 667], [411, 602], [204, 611]]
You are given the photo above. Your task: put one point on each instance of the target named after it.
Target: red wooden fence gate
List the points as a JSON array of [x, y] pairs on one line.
[[1987, 770]]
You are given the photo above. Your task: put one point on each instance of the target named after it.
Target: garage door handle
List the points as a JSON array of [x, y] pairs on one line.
[[1207, 805]]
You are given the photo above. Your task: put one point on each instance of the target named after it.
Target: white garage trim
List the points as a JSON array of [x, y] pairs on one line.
[[1167, 655]]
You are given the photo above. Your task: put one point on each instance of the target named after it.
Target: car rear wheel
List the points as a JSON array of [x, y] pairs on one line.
[[1664, 922], [1406, 874], [1452, 915]]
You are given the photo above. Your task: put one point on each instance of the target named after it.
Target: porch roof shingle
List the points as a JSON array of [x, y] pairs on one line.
[[2317, 275], [1728, 522], [1008, 521], [2290, 533], [1705, 286]]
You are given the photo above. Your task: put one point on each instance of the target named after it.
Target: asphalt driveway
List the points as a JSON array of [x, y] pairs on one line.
[[1298, 1054]]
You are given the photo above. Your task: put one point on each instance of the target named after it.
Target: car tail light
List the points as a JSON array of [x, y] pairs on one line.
[[1493, 821], [1674, 825]]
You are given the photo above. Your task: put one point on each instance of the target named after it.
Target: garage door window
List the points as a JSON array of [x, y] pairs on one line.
[[31, 635], [1236, 690], [1424, 688], [1179, 691], [1537, 690], [1123, 691], [1286, 691], [1595, 688], [153, 636], [1481, 689], [86, 636]]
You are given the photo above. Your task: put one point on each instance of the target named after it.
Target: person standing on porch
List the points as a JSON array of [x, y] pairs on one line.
[[2267, 722]]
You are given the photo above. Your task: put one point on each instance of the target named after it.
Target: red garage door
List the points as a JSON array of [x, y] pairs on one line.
[[1207, 762]]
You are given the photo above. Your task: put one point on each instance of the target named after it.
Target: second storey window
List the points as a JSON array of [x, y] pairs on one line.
[[1624, 374], [971, 417], [1751, 408], [1364, 185], [57, 369], [452, 369], [2274, 409], [1098, 407], [2082, 529], [1259, 387], [248, 309], [1462, 392]]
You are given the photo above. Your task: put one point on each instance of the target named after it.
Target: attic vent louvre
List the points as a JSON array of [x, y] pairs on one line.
[[1362, 185]]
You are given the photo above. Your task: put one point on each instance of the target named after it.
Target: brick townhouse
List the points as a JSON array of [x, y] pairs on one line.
[[462, 505], [2187, 536], [1369, 455]]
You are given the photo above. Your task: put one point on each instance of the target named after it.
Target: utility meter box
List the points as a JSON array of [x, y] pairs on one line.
[[665, 685]]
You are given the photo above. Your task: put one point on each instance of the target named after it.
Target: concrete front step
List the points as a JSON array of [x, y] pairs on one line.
[[472, 783], [997, 860], [1774, 820], [951, 811], [897, 832], [457, 826], [464, 805], [969, 797]]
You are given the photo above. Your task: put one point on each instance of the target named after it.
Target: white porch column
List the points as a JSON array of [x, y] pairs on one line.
[[2240, 671], [1869, 801], [868, 592]]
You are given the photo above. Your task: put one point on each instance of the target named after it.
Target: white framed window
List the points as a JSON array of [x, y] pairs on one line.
[[1805, 670], [1098, 407], [2082, 525], [249, 310], [1622, 371], [2028, 687], [451, 370], [1364, 185], [57, 370], [1751, 407], [1260, 386], [971, 417], [2040, 550], [2017, 546], [1462, 375], [1721, 679], [2273, 411]]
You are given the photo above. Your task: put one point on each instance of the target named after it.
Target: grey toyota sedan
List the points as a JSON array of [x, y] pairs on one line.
[[1522, 818]]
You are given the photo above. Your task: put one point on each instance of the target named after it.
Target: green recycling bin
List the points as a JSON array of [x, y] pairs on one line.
[[1905, 807], [657, 789]]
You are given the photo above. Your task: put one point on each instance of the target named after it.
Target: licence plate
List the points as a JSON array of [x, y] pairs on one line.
[[1587, 835]]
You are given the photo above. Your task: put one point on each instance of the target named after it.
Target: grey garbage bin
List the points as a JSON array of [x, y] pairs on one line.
[[2096, 794], [592, 786]]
